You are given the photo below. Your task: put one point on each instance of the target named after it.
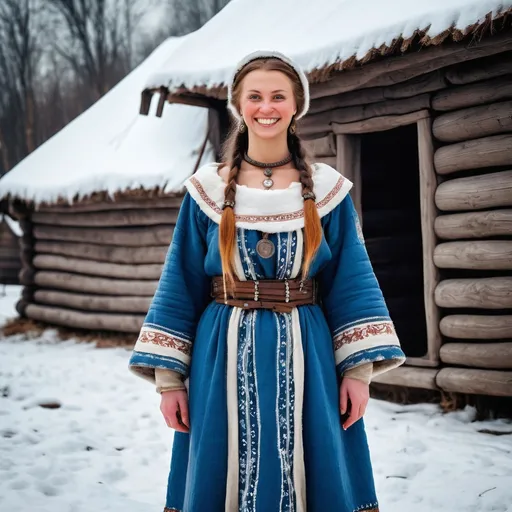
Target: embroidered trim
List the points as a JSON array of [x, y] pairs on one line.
[[166, 509], [165, 340], [373, 507], [362, 332], [282, 217]]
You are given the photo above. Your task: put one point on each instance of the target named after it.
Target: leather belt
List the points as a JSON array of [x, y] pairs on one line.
[[280, 295]]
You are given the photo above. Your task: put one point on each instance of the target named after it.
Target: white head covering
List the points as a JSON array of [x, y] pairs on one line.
[[260, 54]]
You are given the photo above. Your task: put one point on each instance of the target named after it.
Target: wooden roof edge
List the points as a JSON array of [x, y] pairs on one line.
[[211, 97]]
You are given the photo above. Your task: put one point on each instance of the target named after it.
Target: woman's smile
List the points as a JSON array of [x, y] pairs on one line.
[[267, 121]]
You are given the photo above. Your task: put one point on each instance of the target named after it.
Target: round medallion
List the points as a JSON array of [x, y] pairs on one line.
[[268, 183], [265, 248]]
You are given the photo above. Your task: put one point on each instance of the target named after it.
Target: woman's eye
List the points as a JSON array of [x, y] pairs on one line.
[[253, 97], [279, 97]]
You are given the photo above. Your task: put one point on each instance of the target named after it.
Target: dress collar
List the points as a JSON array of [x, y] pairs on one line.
[[270, 211]]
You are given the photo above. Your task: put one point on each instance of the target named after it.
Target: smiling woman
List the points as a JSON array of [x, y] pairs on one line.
[[271, 419]]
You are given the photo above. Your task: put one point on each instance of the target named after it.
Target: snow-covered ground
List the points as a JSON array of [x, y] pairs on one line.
[[107, 448]]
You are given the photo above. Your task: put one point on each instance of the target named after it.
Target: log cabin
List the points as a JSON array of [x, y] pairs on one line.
[[414, 106], [97, 204]]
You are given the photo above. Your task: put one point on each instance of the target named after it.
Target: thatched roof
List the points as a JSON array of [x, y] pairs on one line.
[[111, 151], [323, 36]]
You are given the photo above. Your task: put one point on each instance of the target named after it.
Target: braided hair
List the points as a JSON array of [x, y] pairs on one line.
[[237, 145]]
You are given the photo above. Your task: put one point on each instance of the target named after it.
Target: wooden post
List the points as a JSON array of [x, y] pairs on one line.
[[428, 185], [348, 163]]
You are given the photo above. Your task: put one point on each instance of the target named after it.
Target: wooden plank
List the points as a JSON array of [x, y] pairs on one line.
[[128, 236], [324, 146], [346, 115], [401, 68], [97, 268], [378, 124], [477, 255], [113, 218], [488, 91], [144, 202], [90, 302], [348, 150], [428, 212], [108, 253], [497, 356], [481, 327], [85, 320], [479, 382], [95, 285], [474, 154], [476, 192], [484, 69], [409, 377], [424, 83], [476, 292], [474, 224], [474, 122], [329, 160]]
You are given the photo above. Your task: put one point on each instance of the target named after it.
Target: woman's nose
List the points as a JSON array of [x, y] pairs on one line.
[[266, 108]]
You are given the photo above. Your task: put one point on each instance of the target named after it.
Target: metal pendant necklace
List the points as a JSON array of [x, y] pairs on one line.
[[265, 247], [268, 182]]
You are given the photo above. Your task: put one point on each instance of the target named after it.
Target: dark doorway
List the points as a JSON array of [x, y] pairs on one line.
[[392, 229]]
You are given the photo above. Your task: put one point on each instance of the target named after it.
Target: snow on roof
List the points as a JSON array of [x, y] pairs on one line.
[[110, 147], [316, 34]]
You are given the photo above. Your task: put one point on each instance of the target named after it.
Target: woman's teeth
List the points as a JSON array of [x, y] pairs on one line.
[[267, 121]]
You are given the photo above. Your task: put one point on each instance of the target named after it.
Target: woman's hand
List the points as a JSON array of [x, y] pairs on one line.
[[174, 407], [358, 392]]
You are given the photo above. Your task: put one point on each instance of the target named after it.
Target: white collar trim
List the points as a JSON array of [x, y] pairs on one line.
[[270, 211]]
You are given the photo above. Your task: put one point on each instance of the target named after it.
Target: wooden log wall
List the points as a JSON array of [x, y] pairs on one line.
[[466, 109], [473, 131], [95, 265], [10, 261]]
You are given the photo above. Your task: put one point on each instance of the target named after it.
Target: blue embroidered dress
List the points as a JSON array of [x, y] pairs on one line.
[[266, 433]]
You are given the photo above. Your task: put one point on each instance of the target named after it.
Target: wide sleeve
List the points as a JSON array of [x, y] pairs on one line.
[[167, 334], [353, 303]]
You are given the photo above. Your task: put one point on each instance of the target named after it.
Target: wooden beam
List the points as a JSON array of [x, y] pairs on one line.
[[133, 237], [329, 160], [476, 192], [428, 212], [425, 83], [124, 204], [474, 122], [477, 255], [474, 224], [488, 91], [478, 382], [95, 285], [474, 154], [348, 157], [97, 268], [149, 217], [90, 302], [401, 68], [406, 376], [476, 292], [481, 327], [498, 65], [85, 320], [324, 146], [107, 253], [378, 124], [497, 356]]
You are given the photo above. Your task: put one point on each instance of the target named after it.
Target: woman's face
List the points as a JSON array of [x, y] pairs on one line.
[[267, 103]]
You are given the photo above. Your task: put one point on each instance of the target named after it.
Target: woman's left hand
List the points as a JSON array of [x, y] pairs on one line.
[[358, 392]]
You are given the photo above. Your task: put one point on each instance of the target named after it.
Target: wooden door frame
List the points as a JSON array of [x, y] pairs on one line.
[[348, 160]]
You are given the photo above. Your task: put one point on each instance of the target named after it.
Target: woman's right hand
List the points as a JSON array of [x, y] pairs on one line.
[[174, 406]]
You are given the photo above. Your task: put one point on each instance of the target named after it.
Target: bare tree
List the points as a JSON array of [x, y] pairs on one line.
[[98, 45], [19, 56]]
